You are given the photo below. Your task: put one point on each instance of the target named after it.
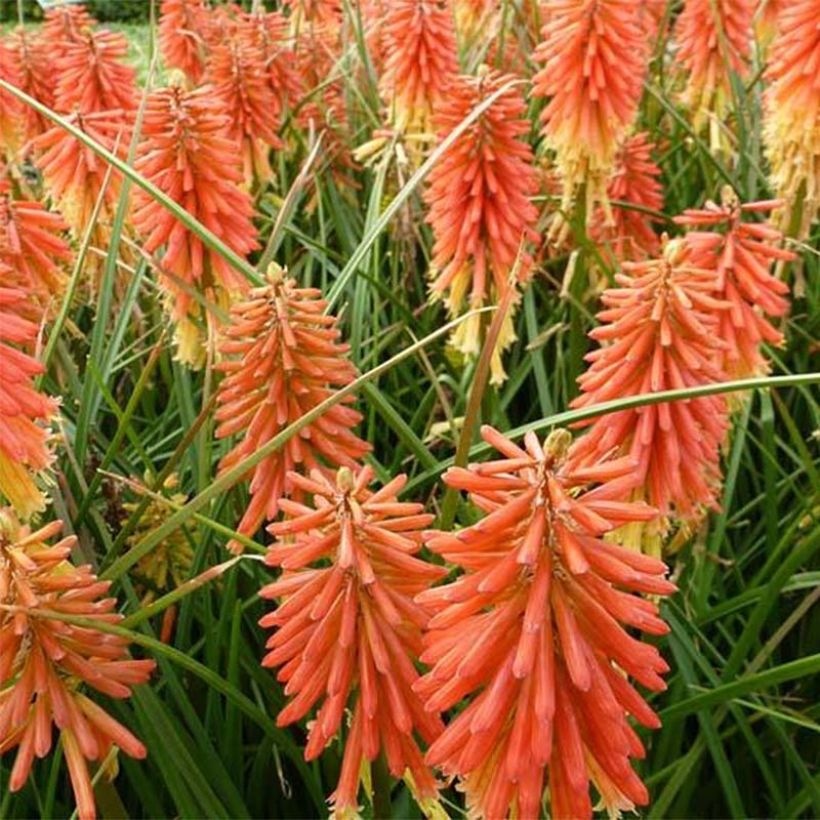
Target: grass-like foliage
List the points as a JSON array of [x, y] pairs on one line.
[[408, 408]]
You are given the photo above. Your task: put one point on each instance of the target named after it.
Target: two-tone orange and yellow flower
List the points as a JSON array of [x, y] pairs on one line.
[[45, 661], [533, 638], [282, 358], [480, 210], [792, 115]]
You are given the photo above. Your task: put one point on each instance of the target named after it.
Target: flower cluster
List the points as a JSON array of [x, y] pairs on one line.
[[282, 359], [742, 254], [714, 41], [46, 660], [533, 634], [24, 411], [187, 153], [595, 57], [480, 209], [792, 115], [181, 37], [347, 628], [658, 331]]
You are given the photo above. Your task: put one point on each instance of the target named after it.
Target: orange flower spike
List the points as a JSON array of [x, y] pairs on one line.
[[237, 71], [181, 38], [24, 412], [187, 153], [43, 660], [659, 331], [635, 181], [347, 629], [714, 40], [742, 253], [282, 357], [480, 210], [74, 174], [421, 60], [64, 24], [32, 247], [595, 56], [34, 57], [792, 115], [12, 110], [533, 634], [91, 76]]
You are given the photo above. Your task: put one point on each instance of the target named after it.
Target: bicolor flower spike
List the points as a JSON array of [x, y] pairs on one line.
[[420, 61], [32, 247], [635, 181], [742, 253], [282, 358], [187, 152], [714, 40], [181, 36], [92, 77], [659, 331], [533, 636], [46, 662], [25, 413], [347, 628], [480, 209], [792, 115], [595, 56]]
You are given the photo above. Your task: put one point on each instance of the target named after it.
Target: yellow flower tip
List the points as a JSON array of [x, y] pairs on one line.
[[19, 489], [276, 273], [369, 149], [557, 444], [190, 341]]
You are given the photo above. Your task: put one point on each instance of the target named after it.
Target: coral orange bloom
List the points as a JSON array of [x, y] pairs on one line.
[[534, 635], [347, 629], [12, 110], [658, 332], [282, 357], [236, 68], [31, 245], [181, 39], [421, 60], [480, 210], [715, 40], [74, 175], [595, 58], [44, 661], [34, 58], [792, 115], [742, 253], [24, 412], [634, 181], [187, 153], [91, 77], [65, 24]]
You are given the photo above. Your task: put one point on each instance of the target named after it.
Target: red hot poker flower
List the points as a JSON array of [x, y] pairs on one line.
[[715, 39], [34, 58], [282, 358], [742, 253], [187, 153], [421, 59], [480, 210], [64, 24], [658, 332], [236, 68], [792, 114], [44, 661], [24, 412], [31, 245], [634, 181], [595, 56], [91, 77], [181, 39], [12, 110], [347, 629], [533, 635]]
